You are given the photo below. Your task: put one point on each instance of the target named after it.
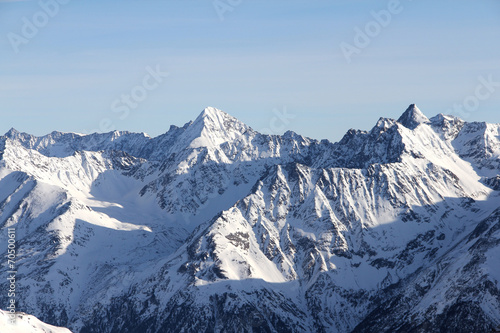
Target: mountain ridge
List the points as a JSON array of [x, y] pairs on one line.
[[222, 228]]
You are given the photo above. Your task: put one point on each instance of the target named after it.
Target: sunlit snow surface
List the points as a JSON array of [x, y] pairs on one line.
[[213, 216], [24, 323]]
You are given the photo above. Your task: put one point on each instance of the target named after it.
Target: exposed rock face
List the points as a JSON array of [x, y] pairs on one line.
[[214, 227]]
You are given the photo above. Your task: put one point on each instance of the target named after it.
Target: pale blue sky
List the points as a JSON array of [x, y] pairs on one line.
[[261, 57]]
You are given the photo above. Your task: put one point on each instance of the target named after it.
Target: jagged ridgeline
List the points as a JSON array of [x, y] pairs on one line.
[[215, 227]]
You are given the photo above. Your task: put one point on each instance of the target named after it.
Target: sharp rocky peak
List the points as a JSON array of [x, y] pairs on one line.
[[213, 127], [212, 117], [413, 117], [12, 132], [213, 113]]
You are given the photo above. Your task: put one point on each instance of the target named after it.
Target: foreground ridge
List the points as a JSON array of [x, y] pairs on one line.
[[213, 226]]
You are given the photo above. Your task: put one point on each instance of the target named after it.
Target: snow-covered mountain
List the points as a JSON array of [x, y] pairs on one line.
[[214, 227], [24, 323]]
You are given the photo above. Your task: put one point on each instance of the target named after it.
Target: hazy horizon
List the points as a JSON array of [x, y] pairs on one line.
[[67, 66]]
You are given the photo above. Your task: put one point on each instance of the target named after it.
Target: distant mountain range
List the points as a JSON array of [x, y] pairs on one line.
[[215, 227]]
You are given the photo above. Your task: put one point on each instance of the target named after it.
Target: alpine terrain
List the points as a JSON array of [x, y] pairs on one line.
[[215, 227]]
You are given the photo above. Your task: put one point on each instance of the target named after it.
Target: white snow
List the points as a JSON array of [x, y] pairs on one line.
[[98, 223], [23, 323]]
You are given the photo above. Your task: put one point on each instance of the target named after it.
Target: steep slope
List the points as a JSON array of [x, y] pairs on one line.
[[459, 293], [413, 117], [74, 226], [26, 324], [327, 230], [220, 228]]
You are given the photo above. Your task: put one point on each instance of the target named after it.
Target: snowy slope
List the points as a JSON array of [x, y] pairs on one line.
[[26, 324], [218, 227]]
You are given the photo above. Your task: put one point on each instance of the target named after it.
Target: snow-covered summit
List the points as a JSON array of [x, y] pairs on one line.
[[213, 113], [413, 117], [214, 127], [213, 226]]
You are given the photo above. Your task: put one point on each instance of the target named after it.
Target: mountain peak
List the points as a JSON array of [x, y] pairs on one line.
[[412, 117], [214, 126], [212, 112], [211, 116], [12, 133]]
